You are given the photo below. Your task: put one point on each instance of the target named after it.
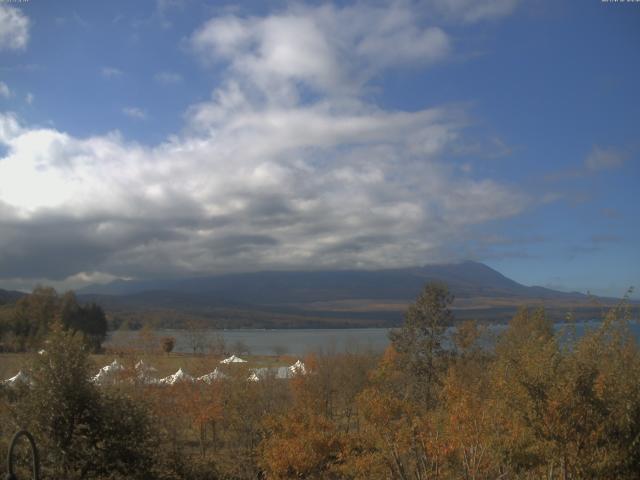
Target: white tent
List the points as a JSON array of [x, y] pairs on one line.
[[20, 378], [143, 367], [107, 374], [179, 376], [298, 368], [211, 376], [114, 366], [258, 374], [233, 359], [280, 373], [144, 372]]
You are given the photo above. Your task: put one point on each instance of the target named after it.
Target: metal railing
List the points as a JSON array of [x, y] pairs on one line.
[[35, 461]]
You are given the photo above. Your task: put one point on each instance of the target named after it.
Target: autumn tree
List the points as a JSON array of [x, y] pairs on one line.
[[466, 338], [469, 429], [569, 408], [146, 339], [396, 437], [302, 442], [419, 341]]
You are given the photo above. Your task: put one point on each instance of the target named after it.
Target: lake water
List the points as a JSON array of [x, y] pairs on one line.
[[293, 341]]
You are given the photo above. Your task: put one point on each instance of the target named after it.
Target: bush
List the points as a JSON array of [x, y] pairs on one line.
[[83, 431]]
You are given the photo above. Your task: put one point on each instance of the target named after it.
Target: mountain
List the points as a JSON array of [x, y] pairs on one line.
[[466, 279], [324, 298], [9, 296]]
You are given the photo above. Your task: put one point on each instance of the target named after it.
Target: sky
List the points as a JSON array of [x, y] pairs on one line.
[[178, 138]]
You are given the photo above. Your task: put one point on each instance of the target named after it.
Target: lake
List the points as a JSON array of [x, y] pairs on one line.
[[294, 341]]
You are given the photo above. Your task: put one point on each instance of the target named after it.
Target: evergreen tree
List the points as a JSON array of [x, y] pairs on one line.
[[32, 318]]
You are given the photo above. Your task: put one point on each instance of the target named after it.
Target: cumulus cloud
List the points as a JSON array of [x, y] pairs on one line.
[[14, 28], [329, 49], [248, 197], [9, 126], [264, 176], [5, 92]]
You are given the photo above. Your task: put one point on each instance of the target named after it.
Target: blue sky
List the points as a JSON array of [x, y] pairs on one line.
[[179, 137]]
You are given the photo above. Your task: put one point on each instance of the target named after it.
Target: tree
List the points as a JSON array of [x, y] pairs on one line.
[[146, 339], [34, 314], [304, 441], [167, 344], [85, 432], [466, 336], [469, 427], [217, 344], [568, 411], [196, 337], [88, 319], [419, 341]]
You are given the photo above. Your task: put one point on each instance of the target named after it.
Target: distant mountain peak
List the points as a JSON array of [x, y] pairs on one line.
[[465, 278]]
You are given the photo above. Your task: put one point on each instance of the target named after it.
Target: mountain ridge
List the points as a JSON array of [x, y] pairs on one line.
[[9, 296], [326, 298], [465, 279]]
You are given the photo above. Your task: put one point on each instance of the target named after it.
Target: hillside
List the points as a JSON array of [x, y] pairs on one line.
[[466, 280], [9, 296], [326, 298]]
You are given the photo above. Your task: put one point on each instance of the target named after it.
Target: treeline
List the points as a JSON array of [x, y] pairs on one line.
[[27, 324], [540, 405]]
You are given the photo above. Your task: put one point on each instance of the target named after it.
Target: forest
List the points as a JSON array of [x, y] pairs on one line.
[[25, 325], [539, 404]]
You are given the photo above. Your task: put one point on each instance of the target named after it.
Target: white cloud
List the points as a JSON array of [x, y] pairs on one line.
[[9, 127], [302, 188], [4, 90], [264, 175], [111, 72], [82, 279], [597, 160], [135, 113], [601, 158], [168, 78], [472, 11], [14, 28], [72, 282], [29, 98], [331, 50]]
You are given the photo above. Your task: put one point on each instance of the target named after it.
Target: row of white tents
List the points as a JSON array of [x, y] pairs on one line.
[[110, 374], [145, 373]]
